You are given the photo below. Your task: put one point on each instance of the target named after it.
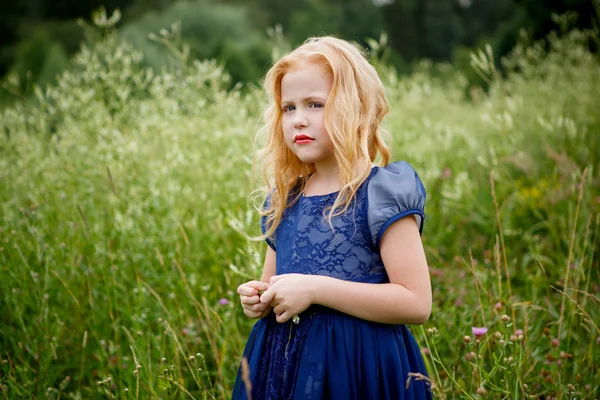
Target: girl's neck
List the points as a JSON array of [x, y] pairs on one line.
[[326, 178]]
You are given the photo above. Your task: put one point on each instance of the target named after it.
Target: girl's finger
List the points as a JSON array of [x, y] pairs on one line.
[[249, 299], [251, 314], [283, 317], [246, 290], [268, 295], [258, 308], [278, 309]]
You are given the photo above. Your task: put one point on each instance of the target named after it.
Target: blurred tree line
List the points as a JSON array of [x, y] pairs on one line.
[[37, 37]]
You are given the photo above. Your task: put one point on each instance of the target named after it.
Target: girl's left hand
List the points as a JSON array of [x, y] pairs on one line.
[[289, 295]]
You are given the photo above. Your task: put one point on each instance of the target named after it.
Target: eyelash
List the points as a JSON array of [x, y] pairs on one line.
[[286, 108]]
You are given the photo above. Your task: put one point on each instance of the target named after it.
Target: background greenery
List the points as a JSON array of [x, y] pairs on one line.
[[37, 37], [124, 216]]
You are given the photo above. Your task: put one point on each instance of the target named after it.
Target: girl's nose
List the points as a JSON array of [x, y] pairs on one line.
[[300, 120]]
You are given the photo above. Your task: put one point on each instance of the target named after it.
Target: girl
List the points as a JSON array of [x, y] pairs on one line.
[[345, 267]]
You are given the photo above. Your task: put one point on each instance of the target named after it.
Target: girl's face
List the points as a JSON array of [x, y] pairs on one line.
[[304, 90]]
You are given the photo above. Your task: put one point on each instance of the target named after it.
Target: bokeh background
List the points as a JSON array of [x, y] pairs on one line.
[[127, 135]]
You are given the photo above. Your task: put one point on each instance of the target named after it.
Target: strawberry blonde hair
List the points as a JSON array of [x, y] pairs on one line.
[[353, 113]]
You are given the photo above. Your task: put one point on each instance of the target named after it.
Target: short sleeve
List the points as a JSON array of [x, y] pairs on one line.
[[393, 193], [263, 223]]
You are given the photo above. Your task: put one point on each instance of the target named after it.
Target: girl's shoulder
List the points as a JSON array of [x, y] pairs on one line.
[[393, 192]]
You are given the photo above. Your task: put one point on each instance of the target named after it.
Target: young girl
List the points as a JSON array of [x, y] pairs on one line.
[[345, 267]]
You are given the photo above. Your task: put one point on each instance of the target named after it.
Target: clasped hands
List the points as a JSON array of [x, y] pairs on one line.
[[287, 295]]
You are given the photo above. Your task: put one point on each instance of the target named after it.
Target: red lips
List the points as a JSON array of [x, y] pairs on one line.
[[302, 138]]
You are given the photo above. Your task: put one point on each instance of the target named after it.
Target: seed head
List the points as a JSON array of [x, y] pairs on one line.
[[467, 339], [126, 390], [505, 318], [192, 358], [481, 391], [138, 367], [513, 338], [163, 360]]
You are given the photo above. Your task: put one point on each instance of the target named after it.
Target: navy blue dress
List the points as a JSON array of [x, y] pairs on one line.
[[329, 354]]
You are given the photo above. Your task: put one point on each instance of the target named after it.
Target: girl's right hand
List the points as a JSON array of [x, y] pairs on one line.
[[250, 299]]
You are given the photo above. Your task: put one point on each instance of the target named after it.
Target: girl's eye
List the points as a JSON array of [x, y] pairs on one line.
[[316, 105], [288, 108]]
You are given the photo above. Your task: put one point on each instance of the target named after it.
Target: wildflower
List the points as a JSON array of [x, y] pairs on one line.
[[505, 318], [519, 332], [498, 306], [163, 360], [224, 302], [467, 339], [192, 358], [513, 338], [425, 350], [481, 391], [478, 332], [555, 342]]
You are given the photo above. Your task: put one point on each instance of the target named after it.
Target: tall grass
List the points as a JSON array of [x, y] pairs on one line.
[[123, 215]]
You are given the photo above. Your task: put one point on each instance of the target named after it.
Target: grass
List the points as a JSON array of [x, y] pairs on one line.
[[124, 216]]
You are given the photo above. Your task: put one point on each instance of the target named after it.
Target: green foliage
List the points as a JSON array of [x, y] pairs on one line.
[[124, 215], [212, 30]]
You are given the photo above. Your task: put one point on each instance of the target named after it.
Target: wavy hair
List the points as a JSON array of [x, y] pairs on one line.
[[353, 113]]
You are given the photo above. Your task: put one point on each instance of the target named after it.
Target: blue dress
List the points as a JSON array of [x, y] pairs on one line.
[[329, 354]]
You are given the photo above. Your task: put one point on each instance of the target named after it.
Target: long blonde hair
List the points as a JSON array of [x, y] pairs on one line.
[[354, 110]]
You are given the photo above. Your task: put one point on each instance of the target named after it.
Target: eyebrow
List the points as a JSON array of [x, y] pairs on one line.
[[308, 98]]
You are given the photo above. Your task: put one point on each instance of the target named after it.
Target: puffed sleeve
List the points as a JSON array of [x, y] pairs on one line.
[[263, 223], [393, 193]]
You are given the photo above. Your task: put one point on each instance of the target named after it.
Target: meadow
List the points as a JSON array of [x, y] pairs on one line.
[[125, 217]]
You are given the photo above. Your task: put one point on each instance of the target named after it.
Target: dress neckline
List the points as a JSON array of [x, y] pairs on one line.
[[327, 195]]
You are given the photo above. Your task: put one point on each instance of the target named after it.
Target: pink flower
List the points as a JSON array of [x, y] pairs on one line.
[[223, 302], [478, 332]]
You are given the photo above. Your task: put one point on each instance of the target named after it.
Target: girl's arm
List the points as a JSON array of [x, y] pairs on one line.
[[269, 267], [405, 300]]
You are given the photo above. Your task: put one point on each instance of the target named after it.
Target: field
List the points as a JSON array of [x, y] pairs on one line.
[[124, 224]]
